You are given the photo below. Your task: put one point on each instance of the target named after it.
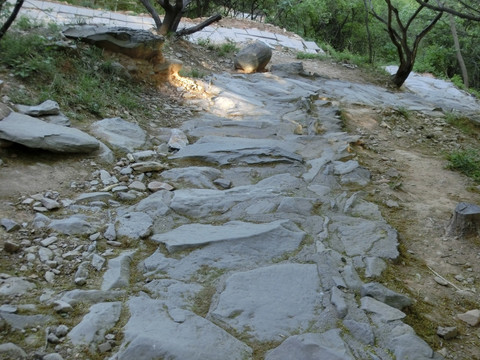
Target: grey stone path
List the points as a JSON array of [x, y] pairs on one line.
[[67, 14], [266, 249], [266, 246]]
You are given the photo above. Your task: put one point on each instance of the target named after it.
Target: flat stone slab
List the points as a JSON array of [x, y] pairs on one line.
[[357, 236], [73, 225], [230, 150], [93, 327], [15, 286], [284, 237], [270, 303], [203, 202], [386, 312], [117, 275], [312, 346], [134, 225], [194, 235], [121, 135], [158, 333], [38, 134]]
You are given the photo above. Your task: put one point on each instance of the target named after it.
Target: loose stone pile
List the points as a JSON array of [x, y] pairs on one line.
[[255, 235]]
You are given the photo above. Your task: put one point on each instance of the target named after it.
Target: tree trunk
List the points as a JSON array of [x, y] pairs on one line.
[[402, 73], [11, 18], [458, 51], [369, 35], [153, 13]]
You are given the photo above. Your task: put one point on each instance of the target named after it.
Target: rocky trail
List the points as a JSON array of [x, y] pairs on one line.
[[256, 229]]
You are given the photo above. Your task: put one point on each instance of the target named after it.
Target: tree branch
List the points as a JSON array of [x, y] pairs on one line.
[[451, 11], [200, 26]]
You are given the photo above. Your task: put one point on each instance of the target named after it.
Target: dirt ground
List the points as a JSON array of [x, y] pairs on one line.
[[411, 184]]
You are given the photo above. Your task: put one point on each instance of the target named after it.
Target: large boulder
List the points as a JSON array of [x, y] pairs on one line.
[[253, 57], [135, 43], [38, 134]]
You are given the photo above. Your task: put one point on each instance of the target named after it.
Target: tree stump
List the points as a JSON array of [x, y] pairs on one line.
[[465, 221]]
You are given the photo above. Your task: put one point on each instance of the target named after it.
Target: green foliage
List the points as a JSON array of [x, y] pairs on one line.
[[467, 162], [462, 123], [223, 50], [309, 56], [192, 73], [81, 80]]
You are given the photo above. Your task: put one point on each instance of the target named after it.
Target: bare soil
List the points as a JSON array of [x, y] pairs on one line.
[[411, 184]]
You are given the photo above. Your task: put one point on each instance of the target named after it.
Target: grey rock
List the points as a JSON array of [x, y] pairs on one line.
[[270, 302], [360, 177], [312, 346], [447, 333], [37, 134], [53, 339], [60, 119], [74, 225], [194, 176], [93, 196], [74, 297], [9, 225], [288, 69], [41, 221], [53, 356], [253, 57], [223, 183], [118, 273], [338, 300], [134, 43], [385, 295], [361, 331], [178, 140], [11, 247], [148, 166], [155, 205], [410, 346], [137, 185], [62, 307], [386, 312], [11, 351], [194, 235], [97, 262], [224, 151], [45, 254], [121, 135], [151, 331], [48, 107], [144, 155], [93, 327], [374, 267], [104, 347], [8, 308], [134, 225], [471, 317], [81, 275], [50, 204], [110, 233], [342, 168], [377, 237], [15, 286], [25, 321]]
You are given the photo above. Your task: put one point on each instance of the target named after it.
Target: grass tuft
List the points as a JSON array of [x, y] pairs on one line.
[[467, 162]]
